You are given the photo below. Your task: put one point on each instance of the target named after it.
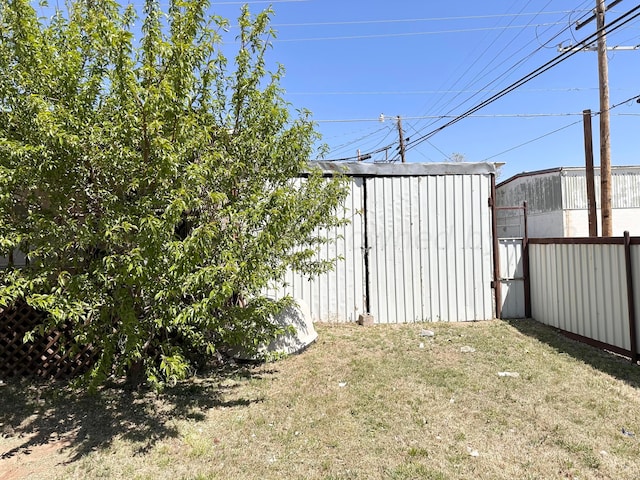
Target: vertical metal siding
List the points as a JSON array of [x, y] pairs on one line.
[[511, 278], [430, 240], [543, 192], [625, 189], [574, 188], [635, 271], [337, 296], [581, 288]]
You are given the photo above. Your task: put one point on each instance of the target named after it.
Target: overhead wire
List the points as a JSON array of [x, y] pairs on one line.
[[442, 117], [354, 157], [406, 34], [412, 20], [612, 26], [532, 140], [345, 145], [575, 22], [508, 70], [502, 75], [436, 92], [634, 39], [470, 67], [471, 60], [357, 140], [630, 99]]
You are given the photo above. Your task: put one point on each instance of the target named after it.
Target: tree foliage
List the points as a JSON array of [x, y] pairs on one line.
[[152, 182]]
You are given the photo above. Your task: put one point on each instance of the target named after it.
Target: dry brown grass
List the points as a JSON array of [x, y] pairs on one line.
[[361, 403]]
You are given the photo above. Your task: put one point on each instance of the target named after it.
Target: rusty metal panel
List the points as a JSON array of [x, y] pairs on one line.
[[430, 254], [542, 192], [511, 277], [581, 288], [339, 295]]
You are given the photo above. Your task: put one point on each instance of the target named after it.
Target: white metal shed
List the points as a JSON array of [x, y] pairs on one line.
[[419, 246]]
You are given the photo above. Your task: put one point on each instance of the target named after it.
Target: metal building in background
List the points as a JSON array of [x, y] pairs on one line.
[[557, 202], [419, 246]]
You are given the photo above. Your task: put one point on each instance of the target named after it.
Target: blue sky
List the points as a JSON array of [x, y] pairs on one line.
[[353, 60], [350, 61]]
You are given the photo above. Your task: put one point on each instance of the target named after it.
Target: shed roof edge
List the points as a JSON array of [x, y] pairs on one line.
[[405, 169]]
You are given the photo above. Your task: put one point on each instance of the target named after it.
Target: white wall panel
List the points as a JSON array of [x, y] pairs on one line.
[[511, 278], [430, 254], [635, 271], [581, 288], [428, 231], [337, 296]]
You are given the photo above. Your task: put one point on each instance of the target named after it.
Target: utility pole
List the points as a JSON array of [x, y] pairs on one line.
[[605, 134], [401, 138], [588, 155]]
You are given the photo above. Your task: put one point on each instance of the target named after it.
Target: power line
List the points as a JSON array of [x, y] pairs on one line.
[[335, 151], [630, 99], [519, 115], [614, 25], [409, 34], [414, 20], [472, 63], [436, 92], [442, 117], [532, 140], [510, 69], [357, 140], [355, 157]]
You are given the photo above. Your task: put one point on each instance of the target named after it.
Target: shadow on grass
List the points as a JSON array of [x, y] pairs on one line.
[[612, 364], [42, 412]]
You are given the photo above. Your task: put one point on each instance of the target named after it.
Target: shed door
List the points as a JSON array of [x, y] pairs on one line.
[[429, 248]]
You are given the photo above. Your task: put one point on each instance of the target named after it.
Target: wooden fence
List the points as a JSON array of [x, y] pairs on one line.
[[47, 356]]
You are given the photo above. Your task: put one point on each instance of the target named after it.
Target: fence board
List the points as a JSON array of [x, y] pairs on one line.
[[581, 288], [512, 277]]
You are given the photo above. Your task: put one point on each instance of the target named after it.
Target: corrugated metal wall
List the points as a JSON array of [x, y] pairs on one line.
[[430, 254], [337, 296], [625, 188], [581, 288], [542, 192], [428, 232], [511, 278], [635, 272]]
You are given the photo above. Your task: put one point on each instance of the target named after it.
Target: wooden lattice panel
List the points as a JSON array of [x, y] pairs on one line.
[[46, 356]]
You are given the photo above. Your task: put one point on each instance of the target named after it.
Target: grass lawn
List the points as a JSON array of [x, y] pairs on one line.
[[376, 402]]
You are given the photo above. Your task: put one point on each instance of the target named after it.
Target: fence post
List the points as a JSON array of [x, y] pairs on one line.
[[525, 265], [497, 290], [630, 300]]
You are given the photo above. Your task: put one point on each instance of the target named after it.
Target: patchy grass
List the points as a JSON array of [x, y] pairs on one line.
[[361, 403]]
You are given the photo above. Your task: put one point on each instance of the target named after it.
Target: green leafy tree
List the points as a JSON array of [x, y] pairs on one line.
[[152, 183]]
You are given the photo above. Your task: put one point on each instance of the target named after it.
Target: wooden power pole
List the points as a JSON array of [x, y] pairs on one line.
[[605, 133], [591, 191], [605, 136], [401, 139]]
